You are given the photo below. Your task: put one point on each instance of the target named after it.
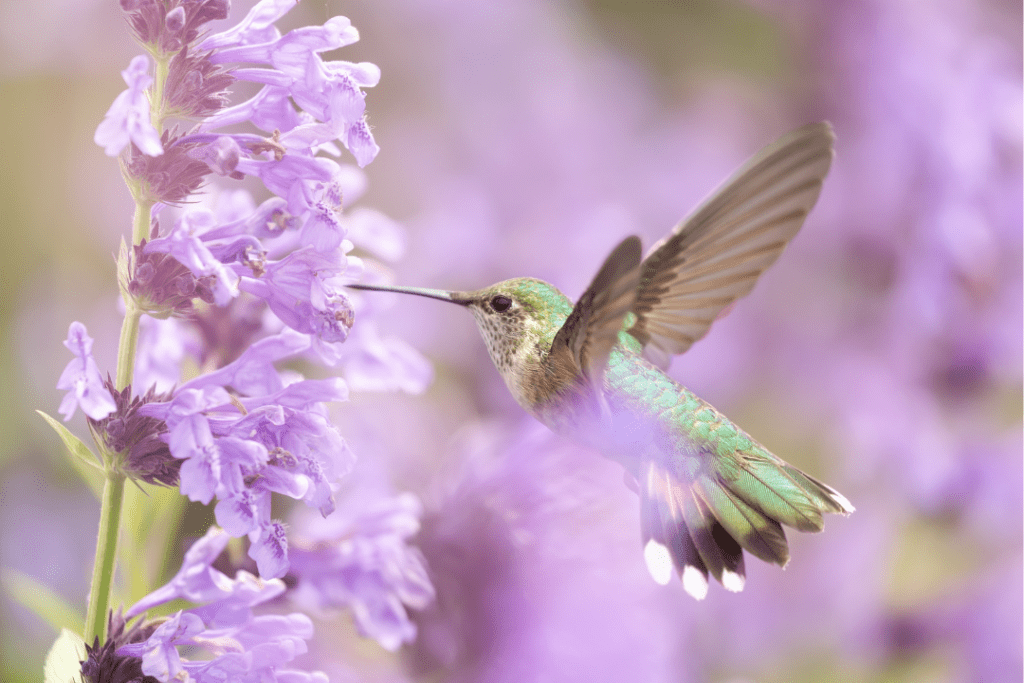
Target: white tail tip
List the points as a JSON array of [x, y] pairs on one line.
[[732, 581], [695, 583], [659, 561], [843, 502]]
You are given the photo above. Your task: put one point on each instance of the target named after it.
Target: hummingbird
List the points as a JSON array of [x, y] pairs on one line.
[[595, 371]]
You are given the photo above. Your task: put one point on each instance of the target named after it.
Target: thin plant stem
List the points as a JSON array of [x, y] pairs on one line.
[[106, 552]]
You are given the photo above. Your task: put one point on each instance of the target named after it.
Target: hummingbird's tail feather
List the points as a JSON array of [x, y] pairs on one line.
[[779, 490], [704, 524], [678, 523], [755, 532]]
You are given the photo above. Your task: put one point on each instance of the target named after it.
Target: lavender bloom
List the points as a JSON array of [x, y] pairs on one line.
[[159, 653], [244, 429], [367, 565], [329, 92], [282, 443], [128, 119], [299, 290], [81, 379], [244, 645]]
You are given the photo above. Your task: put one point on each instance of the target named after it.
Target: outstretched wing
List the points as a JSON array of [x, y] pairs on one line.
[[716, 255], [585, 340]]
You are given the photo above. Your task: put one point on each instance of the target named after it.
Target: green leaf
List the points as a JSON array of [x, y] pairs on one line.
[[41, 600], [64, 660], [73, 443], [85, 462]]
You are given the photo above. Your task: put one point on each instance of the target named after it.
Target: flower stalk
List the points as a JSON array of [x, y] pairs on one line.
[[237, 289], [106, 552]]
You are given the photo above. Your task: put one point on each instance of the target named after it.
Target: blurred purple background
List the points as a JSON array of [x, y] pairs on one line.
[[882, 353]]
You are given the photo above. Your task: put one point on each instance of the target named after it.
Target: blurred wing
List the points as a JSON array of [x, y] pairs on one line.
[[716, 255], [585, 340]]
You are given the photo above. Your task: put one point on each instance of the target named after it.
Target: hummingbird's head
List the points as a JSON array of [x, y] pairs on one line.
[[518, 320]]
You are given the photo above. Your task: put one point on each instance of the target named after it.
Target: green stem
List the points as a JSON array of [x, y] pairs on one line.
[[141, 220], [132, 315], [156, 97], [106, 551], [126, 349]]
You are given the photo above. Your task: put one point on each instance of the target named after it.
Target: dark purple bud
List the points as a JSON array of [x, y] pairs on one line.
[[193, 81], [175, 19], [171, 177], [144, 273], [103, 663], [139, 437], [195, 87], [185, 284], [212, 10], [115, 429], [162, 286]]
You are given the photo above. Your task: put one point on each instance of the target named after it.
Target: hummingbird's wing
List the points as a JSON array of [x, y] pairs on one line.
[[716, 254], [585, 340]]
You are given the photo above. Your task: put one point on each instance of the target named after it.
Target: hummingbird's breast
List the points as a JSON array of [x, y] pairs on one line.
[[647, 416], [636, 421]]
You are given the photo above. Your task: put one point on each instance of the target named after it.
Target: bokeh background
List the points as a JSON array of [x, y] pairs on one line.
[[882, 353]]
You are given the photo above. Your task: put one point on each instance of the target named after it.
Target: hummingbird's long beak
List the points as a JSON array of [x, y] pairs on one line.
[[451, 297]]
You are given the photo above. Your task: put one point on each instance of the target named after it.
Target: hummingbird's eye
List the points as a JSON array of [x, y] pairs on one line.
[[501, 303]]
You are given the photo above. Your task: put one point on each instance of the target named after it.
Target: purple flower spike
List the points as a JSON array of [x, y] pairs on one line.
[[128, 119], [81, 379]]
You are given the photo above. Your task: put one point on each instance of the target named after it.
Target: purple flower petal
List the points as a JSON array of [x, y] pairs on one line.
[[253, 372], [221, 156], [196, 581], [128, 118], [160, 657], [241, 512], [270, 550], [390, 364], [298, 292], [359, 140], [256, 27], [81, 379]]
